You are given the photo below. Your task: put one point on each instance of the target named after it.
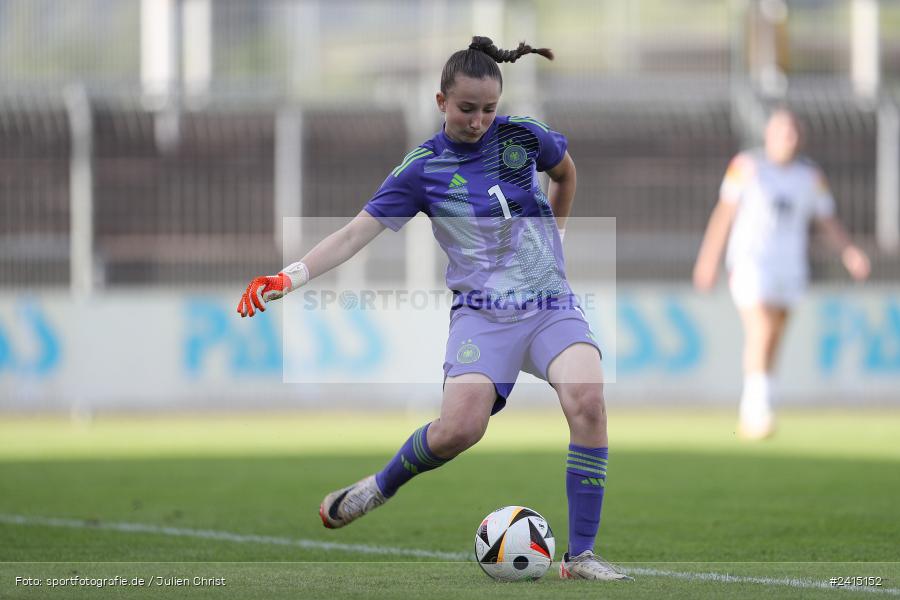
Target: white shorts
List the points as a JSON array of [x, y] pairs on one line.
[[752, 286]]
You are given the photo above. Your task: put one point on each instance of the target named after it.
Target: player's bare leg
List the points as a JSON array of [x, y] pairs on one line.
[[577, 376], [465, 411], [763, 330]]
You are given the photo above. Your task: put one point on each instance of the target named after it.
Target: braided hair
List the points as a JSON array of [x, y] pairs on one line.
[[480, 60]]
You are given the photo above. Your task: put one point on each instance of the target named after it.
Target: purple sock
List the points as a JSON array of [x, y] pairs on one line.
[[585, 482], [413, 458]]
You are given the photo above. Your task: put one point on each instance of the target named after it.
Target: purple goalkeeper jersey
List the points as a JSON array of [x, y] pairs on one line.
[[488, 213]]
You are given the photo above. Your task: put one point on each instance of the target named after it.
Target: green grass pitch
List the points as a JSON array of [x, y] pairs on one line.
[[692, 511]]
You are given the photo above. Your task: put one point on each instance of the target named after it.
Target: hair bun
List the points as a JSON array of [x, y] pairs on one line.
[[481, 43]]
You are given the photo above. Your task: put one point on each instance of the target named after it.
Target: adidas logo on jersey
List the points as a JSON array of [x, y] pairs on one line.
[[458, 181]]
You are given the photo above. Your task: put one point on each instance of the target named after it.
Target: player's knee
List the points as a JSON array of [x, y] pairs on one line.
[[467, 435], [585, 403], [459, 435]]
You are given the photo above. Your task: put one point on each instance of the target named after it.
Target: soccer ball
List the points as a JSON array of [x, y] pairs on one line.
[[514, 543]]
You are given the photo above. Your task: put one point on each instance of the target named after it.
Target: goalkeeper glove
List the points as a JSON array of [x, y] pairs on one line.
[[271, 287]]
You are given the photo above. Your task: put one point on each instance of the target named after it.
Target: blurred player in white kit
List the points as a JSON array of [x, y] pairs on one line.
[[768, 199]]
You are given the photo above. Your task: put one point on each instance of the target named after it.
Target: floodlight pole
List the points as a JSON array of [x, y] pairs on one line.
[[159, 56], [288, 177], [420, 248], [887, 206], [196, 46], [306, 48], [523, 78], [161, 33], [865, 55], [81, 192]]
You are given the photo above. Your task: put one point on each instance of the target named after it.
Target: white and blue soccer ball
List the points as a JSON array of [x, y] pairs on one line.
[[514, 543]]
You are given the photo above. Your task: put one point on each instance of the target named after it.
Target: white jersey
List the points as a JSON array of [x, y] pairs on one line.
[[776, 204]]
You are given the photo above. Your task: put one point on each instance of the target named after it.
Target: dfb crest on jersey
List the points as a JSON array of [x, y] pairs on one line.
[[514, 156]]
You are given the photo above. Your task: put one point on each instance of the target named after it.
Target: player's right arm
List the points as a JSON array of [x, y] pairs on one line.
[[398, 200], [706, 268], [334, 250]]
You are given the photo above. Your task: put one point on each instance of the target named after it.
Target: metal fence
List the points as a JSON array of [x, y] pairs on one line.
[[302, 108]]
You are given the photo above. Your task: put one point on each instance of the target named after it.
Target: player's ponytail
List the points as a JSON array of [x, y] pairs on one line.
[[480, 60], [486, 45]]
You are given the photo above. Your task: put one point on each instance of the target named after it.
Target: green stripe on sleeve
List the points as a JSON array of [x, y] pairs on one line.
[[409, 159], [531, 120]]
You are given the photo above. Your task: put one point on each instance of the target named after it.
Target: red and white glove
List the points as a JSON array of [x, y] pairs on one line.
[[271, 287]]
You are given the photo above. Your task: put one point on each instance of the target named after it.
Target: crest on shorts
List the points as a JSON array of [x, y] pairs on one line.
[[468, 353], [515, 156]]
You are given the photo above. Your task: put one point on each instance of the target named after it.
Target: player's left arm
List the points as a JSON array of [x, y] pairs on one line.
[[854, 258], [562, 189]]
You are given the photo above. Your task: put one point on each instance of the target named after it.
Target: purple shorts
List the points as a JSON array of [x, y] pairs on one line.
[[500, 350]]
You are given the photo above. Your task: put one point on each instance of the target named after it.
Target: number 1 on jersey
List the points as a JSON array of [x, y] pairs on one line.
[[504, 205]]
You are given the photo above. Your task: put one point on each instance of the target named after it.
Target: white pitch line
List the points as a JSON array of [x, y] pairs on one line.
[[243, 538], [227, 536]]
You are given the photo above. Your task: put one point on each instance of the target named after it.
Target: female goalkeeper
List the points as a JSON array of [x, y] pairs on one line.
[[477, 181]]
